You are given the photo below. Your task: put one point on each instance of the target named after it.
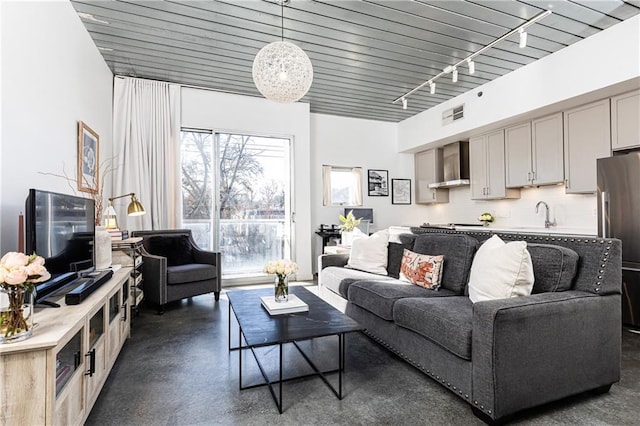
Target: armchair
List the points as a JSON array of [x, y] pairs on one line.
[[174, 267]]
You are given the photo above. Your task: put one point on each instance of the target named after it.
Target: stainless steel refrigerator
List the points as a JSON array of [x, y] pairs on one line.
[[619, 217]]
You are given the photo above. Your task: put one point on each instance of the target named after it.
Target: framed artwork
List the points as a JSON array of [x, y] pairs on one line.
[[378, 183], [88, 149], [400, 191]]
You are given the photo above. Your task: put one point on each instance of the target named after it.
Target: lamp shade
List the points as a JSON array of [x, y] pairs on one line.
[[282, 72], [135, 208]]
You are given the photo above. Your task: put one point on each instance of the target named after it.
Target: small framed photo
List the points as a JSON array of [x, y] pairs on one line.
[[400, 191], [88, 149], [378, 183]]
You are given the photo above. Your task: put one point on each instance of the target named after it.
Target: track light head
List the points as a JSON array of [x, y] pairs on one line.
[[454, 75], [432, 87], [404, 103], [472, 66], [523, 38]]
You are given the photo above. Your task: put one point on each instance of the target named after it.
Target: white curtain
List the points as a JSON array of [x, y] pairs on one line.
[[326, 185], [357, 184], [146, 150]]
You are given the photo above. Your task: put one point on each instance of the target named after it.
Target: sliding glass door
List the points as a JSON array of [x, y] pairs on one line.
[[237, 198]]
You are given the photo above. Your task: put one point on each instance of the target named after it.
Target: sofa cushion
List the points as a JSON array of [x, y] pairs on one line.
[[554, 267], [369, 253], [176, 248], [421, 269], [458, 251], [338, 279], [501, 270], [181, 274], [447, 321], [379, 296], [394, 258]]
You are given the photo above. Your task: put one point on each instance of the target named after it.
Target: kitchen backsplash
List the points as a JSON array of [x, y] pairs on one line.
[[575, 211]]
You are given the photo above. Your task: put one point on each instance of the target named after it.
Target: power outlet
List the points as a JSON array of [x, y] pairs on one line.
[[595, 212]]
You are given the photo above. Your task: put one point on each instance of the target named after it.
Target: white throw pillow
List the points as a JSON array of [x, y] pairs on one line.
[[500, 270], [369, 253]]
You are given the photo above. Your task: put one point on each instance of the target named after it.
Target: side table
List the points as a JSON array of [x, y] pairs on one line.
[[131, 248]]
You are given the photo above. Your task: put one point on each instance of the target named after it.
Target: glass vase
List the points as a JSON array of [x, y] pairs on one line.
[[16, 313], [282, 288]]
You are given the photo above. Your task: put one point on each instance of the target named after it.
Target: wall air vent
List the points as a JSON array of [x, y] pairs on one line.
[[453, 114]]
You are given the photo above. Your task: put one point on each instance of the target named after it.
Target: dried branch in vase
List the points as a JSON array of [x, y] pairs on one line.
[[106, 168]]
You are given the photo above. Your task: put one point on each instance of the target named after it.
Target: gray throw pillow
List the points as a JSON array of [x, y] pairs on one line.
[[554, 267]]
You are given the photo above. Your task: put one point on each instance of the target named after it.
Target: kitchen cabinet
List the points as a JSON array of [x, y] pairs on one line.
[[67, 360], [625, 121], [428, 170], [587, 137], [487, 167], [534, 152]]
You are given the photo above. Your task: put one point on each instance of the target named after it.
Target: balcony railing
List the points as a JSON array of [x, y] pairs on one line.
[[245, 244]]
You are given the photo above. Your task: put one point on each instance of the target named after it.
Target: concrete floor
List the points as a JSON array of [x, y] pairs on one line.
[[176, 370]]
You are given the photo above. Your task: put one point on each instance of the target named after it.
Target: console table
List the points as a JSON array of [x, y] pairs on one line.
[[55, 376]]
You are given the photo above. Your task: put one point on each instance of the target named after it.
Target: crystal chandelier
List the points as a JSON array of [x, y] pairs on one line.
[[282, 71]]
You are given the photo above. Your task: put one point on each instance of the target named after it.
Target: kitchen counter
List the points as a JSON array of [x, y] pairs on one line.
[[532, 230]]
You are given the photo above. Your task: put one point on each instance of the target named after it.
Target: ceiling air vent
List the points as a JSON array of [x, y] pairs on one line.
[[453, 114]]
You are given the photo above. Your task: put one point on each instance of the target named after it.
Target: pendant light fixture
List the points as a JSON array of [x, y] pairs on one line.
[[282, 71]]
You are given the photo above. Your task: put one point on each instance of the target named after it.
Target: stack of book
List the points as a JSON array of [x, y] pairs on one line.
[[293, 305], [117, 234]]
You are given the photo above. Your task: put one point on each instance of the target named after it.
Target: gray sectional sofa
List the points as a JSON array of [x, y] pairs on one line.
[[500, 356]]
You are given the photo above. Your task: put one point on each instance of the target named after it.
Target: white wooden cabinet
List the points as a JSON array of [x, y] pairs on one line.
[[625, 121], [428, 170], [487, 167], [67, 360], [518, 155], [534, 152], [587, 137]]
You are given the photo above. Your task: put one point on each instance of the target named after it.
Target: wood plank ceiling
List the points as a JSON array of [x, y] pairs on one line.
[[365, 54]]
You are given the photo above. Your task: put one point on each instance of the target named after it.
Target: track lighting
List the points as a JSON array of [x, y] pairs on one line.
[[469, 59], [523, 38], [472, 66]]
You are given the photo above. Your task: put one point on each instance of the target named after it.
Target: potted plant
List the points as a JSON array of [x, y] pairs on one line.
[[347, 226]]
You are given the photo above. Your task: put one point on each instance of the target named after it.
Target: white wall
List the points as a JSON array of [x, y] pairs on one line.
[[205, 109], [52, 77], [594, 68], [341, 141]]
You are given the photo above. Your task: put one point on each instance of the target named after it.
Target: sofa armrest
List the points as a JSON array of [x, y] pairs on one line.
[[154, 274], [527, 351], [326, 260]]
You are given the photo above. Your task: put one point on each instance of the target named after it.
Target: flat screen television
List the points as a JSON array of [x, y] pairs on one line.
[[60, 228]]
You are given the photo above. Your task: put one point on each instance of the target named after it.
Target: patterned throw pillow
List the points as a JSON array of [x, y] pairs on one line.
[[421, 269]]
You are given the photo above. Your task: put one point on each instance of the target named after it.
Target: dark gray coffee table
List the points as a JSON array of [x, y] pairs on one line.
[[258, 329]]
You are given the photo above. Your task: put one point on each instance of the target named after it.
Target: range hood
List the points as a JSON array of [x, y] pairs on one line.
[[455, 159]]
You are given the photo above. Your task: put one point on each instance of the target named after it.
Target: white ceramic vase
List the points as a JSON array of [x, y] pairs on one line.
[[346, 238], [102, 248]]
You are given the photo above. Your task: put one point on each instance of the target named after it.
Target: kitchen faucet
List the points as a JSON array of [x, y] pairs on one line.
[[547, 222]]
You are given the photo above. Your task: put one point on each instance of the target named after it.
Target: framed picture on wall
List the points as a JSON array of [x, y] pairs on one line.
[[400, 191], [88, 149], [378, 183]]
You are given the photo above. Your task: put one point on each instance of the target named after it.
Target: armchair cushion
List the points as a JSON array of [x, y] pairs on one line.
[[181, 274], [176, 248]]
